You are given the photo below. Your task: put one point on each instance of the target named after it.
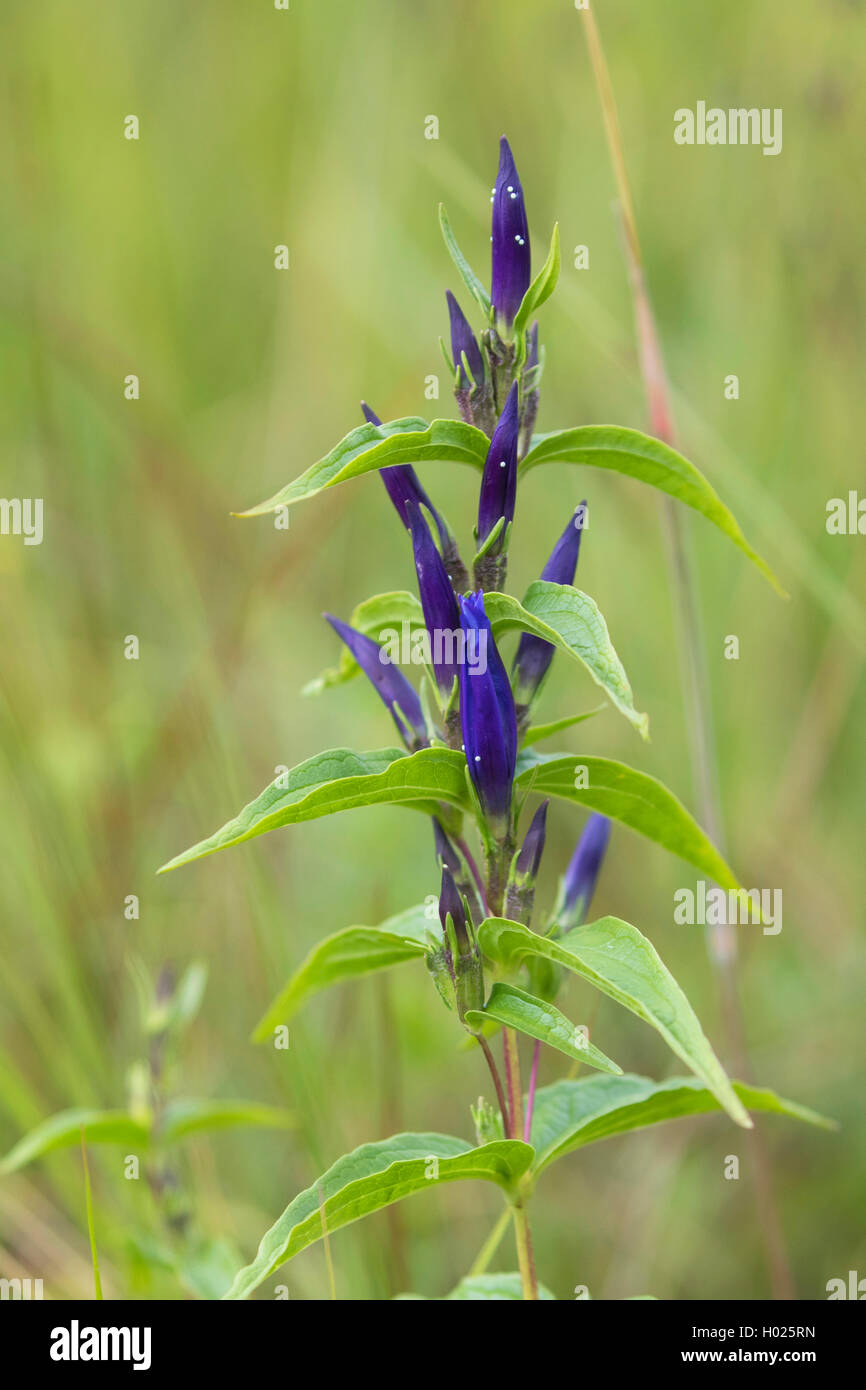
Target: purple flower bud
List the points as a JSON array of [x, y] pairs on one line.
[[463, 340], [581, 876], [511, 268], [391, 684], [499, 480], [446, 854], [403, 485], [451, 905], [529, 856], [438, 601], [520, 890], [534, 655], [488, 719]]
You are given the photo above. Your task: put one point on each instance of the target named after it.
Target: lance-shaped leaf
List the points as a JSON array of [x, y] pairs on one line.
[[345, 956], [570, 621], [542, 286], [183, 1118], [370, 447], [467, 274], [570, 1114], [620, 961], [537, 732], [626, 795], [341, 780], [514, 1008], [372, 1177], [381, 613], [640, 456], [63, 1130]]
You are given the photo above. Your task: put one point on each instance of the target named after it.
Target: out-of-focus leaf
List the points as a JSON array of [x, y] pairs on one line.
[[182, 1118], [63, 1130]]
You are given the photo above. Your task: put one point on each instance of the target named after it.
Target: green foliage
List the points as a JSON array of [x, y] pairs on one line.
[[372, 1177], [571, 622], [514, 1008], [370, 447], [346, 955], [571, 1114], [616, 958], [626, 795], [370, 617], [643, 457], [341, 780]]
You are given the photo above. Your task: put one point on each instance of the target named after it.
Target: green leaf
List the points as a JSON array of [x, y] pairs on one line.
[[372, 1177], [467, 274], [536, 732], [620, 961], [570, 1114], [514, 1008], [371, 617], [369, 447], [542, 286], [571, 622], [495, 1287], [629, 796], [340, 780], [63, 1130], [641, 456], [183, 1118], [346, 955]]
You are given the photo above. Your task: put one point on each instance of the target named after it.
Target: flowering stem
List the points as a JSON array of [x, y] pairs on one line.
[[476, 873], [530, 1099], [525, 1257], [494, 1072]]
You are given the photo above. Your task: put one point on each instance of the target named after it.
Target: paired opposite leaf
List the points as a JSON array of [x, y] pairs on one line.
[[621, 792], [182, 1118], [514, 1008], [571, 622], [63, 1130], [620, 961], [373, 1177], [641, 456], [346, 955], [340, 780], [370, 447], [570, 1114]]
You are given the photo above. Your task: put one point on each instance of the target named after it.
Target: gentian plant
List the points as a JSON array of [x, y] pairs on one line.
[[469, 760]]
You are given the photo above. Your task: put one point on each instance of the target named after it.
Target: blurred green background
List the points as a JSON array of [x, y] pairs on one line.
[[155, 257]]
